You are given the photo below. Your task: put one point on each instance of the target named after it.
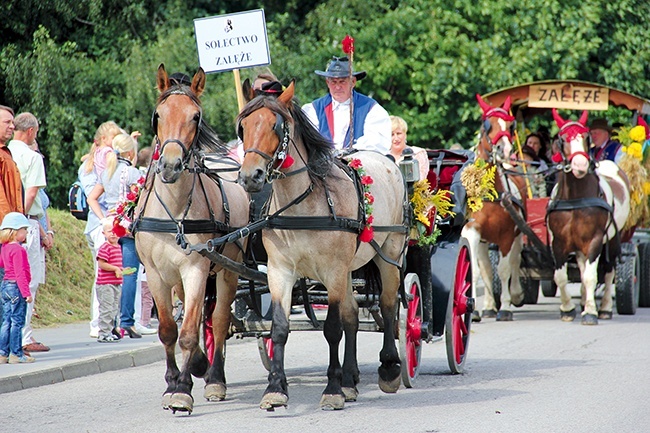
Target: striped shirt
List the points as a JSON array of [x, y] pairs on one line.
[[111, 254]]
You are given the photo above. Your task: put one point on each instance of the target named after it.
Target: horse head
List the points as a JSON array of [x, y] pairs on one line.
[[497, 129], [574, 144], [264, 127], [176, 122]]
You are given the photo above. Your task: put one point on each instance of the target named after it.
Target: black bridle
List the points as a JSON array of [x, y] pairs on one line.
[[283, 132]]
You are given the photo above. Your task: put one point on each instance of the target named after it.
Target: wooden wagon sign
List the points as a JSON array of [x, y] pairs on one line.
[[568, 96]]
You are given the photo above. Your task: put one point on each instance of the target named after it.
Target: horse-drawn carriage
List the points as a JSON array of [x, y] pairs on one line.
[[632, 285], [325, 218]]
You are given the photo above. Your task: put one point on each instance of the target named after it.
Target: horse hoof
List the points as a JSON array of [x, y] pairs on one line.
[[517, 301], [504, 316], [390, 387], [488, 314], [166, 400], [589, 319], [272, 400], [476, 317], [605, 315], [350, 394], [214, 392], [181, 402], [332, 402], [568, 316]]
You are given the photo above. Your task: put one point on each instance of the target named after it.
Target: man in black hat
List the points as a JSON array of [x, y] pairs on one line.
[[602, 146], [371, 126]]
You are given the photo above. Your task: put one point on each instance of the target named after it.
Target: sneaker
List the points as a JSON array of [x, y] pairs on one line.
[[94, 333], [145, 330], [13, 359], [108, 339], [4, 359]]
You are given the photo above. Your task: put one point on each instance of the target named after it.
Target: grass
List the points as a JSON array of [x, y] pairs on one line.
[[65, 296]]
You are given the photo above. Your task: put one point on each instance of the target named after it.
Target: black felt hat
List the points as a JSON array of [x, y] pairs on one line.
[[178, 78], [339, 67]]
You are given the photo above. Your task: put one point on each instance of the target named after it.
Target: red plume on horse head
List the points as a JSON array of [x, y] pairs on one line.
[[570, 128], [502, 112]]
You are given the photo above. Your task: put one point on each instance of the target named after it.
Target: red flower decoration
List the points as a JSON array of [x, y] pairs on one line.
[[132, 196], [156, 154], [369, 197], [355, 164], [118, 229], [367, 234], [370, 220], [288, 162], [366, 180], [348, 44]]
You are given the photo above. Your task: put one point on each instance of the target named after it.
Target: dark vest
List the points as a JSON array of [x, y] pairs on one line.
[[362, 105], [607, 151]]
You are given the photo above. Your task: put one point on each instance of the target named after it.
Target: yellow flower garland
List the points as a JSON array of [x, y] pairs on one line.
[[478, 180]]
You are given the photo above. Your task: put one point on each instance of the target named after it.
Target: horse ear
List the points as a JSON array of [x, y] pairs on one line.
[[485, 107], [558, 119], [162, 80], [286, 96], [198, 82], [583, 118], [247, 89], [506, 105]]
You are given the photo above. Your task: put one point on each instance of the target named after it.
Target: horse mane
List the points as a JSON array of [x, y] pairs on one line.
[[207, 139], [319, 149]]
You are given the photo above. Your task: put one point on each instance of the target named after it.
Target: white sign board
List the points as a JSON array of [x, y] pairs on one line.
[[232, 41]]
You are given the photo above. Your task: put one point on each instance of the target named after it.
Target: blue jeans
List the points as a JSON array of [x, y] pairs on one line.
[[14, 308], [129, 282]]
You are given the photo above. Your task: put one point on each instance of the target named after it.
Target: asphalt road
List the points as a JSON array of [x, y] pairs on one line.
[[536, 374]]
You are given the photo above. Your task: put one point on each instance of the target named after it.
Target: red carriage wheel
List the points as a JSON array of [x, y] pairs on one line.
[[265, 346], [459, 310], [410, 330]]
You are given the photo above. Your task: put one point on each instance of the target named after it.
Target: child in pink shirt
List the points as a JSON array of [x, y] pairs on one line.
[[109, 283], [15, 288]]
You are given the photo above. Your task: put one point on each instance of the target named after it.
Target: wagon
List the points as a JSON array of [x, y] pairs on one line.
[[435, 295], [633, 269]]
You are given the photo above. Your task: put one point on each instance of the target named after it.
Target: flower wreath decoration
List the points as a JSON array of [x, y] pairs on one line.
[[125, 209], [367, 234], [428, 206], [478, 180], [635, 141]]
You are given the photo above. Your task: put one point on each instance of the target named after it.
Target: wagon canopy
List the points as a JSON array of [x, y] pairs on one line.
[[531, 99]]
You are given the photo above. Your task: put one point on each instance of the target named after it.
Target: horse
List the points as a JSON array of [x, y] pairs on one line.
[[315, 217], [589, 206], [493, 224], [183, 203]]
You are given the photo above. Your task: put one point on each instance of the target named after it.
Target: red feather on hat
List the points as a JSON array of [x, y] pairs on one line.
[[348, 44]]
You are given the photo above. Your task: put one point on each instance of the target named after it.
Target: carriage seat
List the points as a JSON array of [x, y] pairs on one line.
[[445, 168]]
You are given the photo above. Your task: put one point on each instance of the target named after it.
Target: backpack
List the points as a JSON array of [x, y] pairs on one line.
[[78, 202]]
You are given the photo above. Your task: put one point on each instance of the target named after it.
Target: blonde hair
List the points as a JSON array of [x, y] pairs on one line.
[[122, 143], [107, 224], [107, 129], [8, 235], [397, 122]]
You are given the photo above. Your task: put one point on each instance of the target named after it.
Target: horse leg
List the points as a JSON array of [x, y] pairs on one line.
[[590, 280], [514, 258], [504, 271], [606, 305], [480, 255], [350, 319], [277, 391], [215, 387], [194, 362], [390, 368], [567, 309]]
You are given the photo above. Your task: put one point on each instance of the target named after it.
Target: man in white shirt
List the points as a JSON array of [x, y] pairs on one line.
[[371, 126], [32, 173]]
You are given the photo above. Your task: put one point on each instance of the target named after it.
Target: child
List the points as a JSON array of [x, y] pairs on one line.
[[109, 283], [15, 288]]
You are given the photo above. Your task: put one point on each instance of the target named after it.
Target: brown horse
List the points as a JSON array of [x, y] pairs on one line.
[[589, 205], [314, 222], [493, 224], [183, 203]]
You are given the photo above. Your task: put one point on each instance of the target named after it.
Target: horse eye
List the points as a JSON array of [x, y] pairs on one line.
[[197, 117]]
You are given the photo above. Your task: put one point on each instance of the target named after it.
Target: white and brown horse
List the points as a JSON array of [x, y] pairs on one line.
[[315, 216], [493, 224], [588, 207], [182, 203]]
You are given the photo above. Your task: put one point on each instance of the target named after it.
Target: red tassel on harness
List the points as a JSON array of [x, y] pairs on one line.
[[288, 162], [367, 234]]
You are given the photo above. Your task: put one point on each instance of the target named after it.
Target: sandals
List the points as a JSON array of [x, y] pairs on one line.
[[108, 339]]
